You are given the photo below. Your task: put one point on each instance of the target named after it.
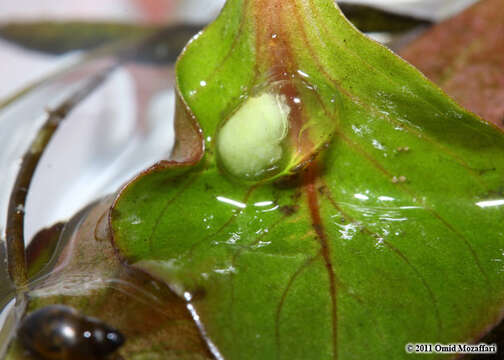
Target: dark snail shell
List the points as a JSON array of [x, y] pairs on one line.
[[59, 332]]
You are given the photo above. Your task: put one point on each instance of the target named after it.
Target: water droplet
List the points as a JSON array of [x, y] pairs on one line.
[[303, 74], [379, 243], [378, 145], [490, 203], [385, 198], [231, 202], [233, 239], [229, 270], [263, 203], [361, 197], [348, 231]]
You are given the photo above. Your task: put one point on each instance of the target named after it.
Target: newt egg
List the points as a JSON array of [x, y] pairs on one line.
[[250, 142], [59, 332]]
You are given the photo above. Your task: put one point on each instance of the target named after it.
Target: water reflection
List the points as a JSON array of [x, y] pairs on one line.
[[231, 202], [380, 213], [348, 231], [490, 203], [276, 207], [263, 203], [385, 198], [361, 197]]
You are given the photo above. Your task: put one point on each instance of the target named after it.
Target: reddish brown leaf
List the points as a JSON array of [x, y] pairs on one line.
[[87, 276], [464, 56]]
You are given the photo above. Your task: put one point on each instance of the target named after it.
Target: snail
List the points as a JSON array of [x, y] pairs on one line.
[[58, 332]]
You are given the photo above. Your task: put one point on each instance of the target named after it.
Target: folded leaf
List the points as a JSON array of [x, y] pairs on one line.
[[377, 226], [86, 275], [79, 267]]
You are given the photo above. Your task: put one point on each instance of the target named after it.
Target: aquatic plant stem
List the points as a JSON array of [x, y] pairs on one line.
[[16, 257]]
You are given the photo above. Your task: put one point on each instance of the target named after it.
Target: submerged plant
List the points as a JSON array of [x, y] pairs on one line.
[[324, 200]]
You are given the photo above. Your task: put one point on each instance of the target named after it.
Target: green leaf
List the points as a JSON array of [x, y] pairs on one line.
[[380, 226]]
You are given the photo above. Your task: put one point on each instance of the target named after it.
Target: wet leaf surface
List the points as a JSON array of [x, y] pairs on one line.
[[463, 55], [42, 248], [391, 235], [88, 276], [76, 265]]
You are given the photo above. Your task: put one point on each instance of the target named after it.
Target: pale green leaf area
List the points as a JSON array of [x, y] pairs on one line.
[[392, 235]]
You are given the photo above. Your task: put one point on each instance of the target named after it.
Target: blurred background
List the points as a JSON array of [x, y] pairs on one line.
[[126, 124], [19, 66]]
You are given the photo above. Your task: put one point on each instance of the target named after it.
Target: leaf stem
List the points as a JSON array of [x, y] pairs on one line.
[[16, 257]]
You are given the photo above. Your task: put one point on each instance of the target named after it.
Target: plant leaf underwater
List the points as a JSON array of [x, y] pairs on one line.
[[86, 274], [74, 264], [380, 226]]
